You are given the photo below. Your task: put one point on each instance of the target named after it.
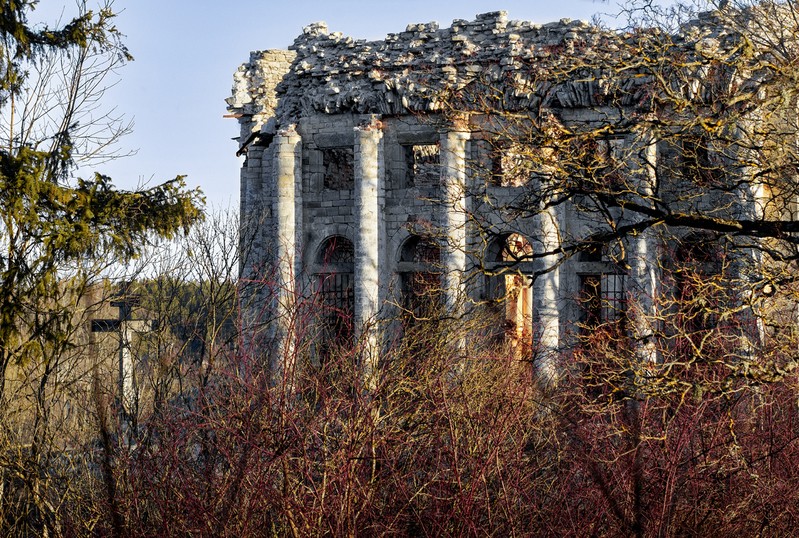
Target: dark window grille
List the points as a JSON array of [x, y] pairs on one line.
[[421, 293], [702, 289], [421, 287], [603, 296], [337, 250], [421, 250], [426, 251], [337, 298], [336, 294], [602, 299]]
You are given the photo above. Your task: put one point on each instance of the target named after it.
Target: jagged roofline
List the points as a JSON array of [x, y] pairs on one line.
[[565, 64]]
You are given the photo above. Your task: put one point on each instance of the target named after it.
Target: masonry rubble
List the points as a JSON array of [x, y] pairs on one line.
[[406, 72], [369, 103]]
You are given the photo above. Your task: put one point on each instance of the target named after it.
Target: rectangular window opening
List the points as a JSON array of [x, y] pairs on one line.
[[339, 168], [602, 300], [423, 165], [509, 166]]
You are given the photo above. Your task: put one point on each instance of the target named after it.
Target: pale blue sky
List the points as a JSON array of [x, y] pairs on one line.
[[186, 52]]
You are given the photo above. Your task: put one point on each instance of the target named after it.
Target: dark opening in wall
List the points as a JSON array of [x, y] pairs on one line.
[[420, 275], [702, 164], [509, 165], [336, 292], [509, 287], [339, 168], [603, 299], [705, 295], [608, 164], [423, 165]]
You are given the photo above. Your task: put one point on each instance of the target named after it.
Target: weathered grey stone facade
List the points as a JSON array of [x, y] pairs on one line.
[[351, 168]]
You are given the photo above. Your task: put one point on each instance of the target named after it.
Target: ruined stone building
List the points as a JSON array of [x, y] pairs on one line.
[[382, 175]]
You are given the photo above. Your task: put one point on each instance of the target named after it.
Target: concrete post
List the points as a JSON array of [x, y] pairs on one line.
[[288, 182], [453, 258], [369, 202], [127, 373]]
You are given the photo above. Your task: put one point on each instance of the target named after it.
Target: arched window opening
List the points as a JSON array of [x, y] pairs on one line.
[[509, 285], [602, 297], [420, 277], [335, 292]]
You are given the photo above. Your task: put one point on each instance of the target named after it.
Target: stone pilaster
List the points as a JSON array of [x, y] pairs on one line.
[[546, 296], [254, 227], [454, 218], [369, 205], [288, 196], [747, 267], [643, 255]]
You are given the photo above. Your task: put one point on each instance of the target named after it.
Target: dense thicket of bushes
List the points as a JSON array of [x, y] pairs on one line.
[[447, 446]]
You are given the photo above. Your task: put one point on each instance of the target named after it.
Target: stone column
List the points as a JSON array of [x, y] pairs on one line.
[[250, 204], [453, 181], [546, 296], [288, 185], [643, 256], [255, 227], [369, 203], [746, 265]]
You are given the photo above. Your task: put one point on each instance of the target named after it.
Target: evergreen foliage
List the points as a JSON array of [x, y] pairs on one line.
[[54, 226]]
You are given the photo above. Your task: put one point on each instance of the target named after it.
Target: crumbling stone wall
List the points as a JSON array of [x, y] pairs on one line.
[[340, 95], [254, 99], [408, 71]]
